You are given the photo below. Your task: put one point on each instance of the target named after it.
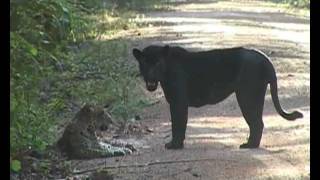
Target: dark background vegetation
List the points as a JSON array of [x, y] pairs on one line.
[[59, 60]]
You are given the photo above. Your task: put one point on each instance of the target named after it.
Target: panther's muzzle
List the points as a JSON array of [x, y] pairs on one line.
[[151, 86]]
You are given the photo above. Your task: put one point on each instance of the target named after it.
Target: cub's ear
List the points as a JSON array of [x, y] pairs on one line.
[[87, 108], [165, 50], [137, 54]]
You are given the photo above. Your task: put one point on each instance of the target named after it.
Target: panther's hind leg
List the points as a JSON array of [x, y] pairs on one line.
[[251, 102]]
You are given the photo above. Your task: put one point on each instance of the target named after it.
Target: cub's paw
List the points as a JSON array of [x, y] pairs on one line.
[[249, 146], [173, 145], [127, 150], [119, 152]]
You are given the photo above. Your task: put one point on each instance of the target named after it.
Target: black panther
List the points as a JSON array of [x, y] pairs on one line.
[[194, 79]]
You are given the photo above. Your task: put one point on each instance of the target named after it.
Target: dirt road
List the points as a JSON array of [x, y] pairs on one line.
[[215, 132]]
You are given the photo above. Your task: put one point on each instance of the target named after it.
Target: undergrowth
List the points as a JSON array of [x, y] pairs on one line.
[[295, 3], [58, 63]]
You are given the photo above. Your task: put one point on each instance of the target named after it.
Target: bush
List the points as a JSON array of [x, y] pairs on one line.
[[39, 31], [51, 71]]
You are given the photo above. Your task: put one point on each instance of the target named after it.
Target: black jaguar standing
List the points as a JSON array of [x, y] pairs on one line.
[[194, 79]]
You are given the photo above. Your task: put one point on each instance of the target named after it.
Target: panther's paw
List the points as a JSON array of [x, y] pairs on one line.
[[249, 146], [174, 145]]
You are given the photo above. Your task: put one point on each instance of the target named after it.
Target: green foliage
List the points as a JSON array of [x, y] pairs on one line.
[[15, 165], [136, 4], [38, 30], [295, 3], [57, 61], [30, 124]]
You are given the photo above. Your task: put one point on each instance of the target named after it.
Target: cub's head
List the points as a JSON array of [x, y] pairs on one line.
[[152, 64], [93, 118]]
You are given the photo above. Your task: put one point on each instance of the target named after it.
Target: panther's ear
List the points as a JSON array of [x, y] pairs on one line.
[[137, 54], [165, 50]]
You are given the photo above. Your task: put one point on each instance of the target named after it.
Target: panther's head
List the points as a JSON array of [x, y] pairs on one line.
[[152, 64]]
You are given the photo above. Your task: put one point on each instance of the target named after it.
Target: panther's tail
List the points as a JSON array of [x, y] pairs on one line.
[[274, 94]]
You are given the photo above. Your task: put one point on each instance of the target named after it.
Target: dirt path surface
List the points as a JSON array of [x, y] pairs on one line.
[[215, 132]]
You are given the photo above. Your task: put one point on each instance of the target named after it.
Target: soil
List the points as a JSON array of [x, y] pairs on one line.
[[215, 132]]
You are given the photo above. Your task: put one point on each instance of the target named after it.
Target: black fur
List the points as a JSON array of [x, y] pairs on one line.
[[194, 79]]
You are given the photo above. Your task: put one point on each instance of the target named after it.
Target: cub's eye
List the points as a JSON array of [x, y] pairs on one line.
[[101, 113], [103, 127]]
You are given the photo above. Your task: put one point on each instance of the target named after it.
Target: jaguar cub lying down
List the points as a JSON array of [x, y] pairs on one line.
[[194, 79], [79, 140]]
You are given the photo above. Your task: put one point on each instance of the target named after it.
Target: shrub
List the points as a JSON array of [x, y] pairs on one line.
[[50, 71]]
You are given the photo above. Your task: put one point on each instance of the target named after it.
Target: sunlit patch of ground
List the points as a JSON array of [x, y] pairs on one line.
[[284, 146]]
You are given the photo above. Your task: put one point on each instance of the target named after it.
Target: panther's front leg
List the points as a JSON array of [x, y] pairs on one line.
[[179, 118]]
